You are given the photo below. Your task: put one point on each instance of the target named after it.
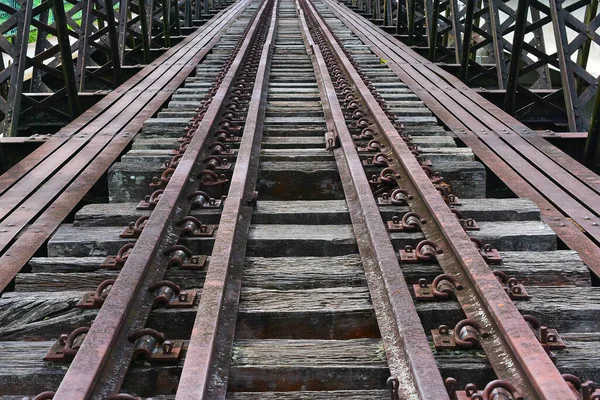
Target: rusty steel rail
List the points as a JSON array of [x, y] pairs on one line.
[[405, 342], [99, 366], [509, 343], [202, 360], [36, 198], [563, 189]]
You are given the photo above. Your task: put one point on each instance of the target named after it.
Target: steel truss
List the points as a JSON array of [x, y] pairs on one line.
[[99, 38], [481, 36]]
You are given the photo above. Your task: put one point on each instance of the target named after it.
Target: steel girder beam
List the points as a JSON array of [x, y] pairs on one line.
[[65, 47]]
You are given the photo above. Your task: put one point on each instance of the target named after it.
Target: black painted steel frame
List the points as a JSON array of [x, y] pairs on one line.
[[97, 37]]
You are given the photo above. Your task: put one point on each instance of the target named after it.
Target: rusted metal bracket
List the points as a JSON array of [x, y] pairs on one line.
[[468, 224], [489, 254], [217, 163], [426, 250], [182, 257], [365, 134], [447, 195], [386, 178], [134, 229], [465, 335], [549, 338], [161, 183], [497, 389], [150, 201], [117, 262], [48, 395], [372, 146], [201, 199], [442, 288], [225, 136], [513, 288], [192, 227], [210, 178], [332, 140], [378, 160], [94, 300], [410, 222], [170, 295], [220, 149], [587, 390], [153, 346], [66, 346], [399, 197]]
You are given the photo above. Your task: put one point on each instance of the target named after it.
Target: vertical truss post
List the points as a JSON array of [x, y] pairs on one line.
[[377, 10], [539, 43], [591, 155], [584, 53], [15, 90], [387, 12], [456, 29], [198, 10], [83, 53], [62, 35], [36, 84], [429, 19], [433, 30], [187, 21], [113, 40], [412, 5], [399, 18], [166, 11], [515, 60], [566, 67], [144, 28], [3, 85], [497, 41], [466, 47], [174, 6]]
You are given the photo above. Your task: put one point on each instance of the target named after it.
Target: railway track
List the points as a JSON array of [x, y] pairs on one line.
[[294, 223]]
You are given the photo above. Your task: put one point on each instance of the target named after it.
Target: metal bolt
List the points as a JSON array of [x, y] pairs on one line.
[[167, 347]]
